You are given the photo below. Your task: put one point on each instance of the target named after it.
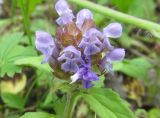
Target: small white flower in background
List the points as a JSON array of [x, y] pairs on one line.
[[1, 2]]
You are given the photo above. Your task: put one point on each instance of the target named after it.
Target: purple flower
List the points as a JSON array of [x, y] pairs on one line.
[[91, 42], [71, 58], [83, 15], [113, 30], [106, 44], [71, 55], [65, 18], [94, 41], [45, 44], [112, 56], [64, 12], [86, 75], [115, 55]]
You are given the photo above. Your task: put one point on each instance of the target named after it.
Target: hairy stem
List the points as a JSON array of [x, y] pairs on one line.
[[72, 99], [148, 25], [66, 112]]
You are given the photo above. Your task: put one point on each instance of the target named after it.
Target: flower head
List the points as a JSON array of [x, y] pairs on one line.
[[79, 46]]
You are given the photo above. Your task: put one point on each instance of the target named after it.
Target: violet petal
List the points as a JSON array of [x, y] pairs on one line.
[[83, 15], [62, 7], [87, 84], [91, 76], [91, 42], [107, 44], [69, 66], [65, 19], [113, 30], [116, 55], [91, 49], [108, 67], [45, 44], [72, 49]]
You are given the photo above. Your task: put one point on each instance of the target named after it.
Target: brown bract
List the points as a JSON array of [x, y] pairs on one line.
[[88, 23], [59, 73], [69, 34]]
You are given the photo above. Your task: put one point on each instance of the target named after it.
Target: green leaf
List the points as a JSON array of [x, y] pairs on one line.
[[31, 4], [37, 115], [107, 104], [59, 107], [10, 51], [12, 116], [100, 82], [121, 5], [96, 106], [34, 62], [49, 99], [141, 113], [13, 100], [137, 68], [10, 69], [154, 113], [44, 77], [144, 8], [8, 42], [5, 22]]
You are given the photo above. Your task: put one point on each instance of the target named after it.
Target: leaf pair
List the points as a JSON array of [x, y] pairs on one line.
[[104, 102]]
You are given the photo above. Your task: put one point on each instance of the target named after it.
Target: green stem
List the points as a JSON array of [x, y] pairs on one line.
[[148, 25], [72, 99], [13, 7], [25, 14], [29, 91], [66, 114]]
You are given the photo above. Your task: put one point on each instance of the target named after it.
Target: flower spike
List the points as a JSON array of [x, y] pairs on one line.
[[81, 51]]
